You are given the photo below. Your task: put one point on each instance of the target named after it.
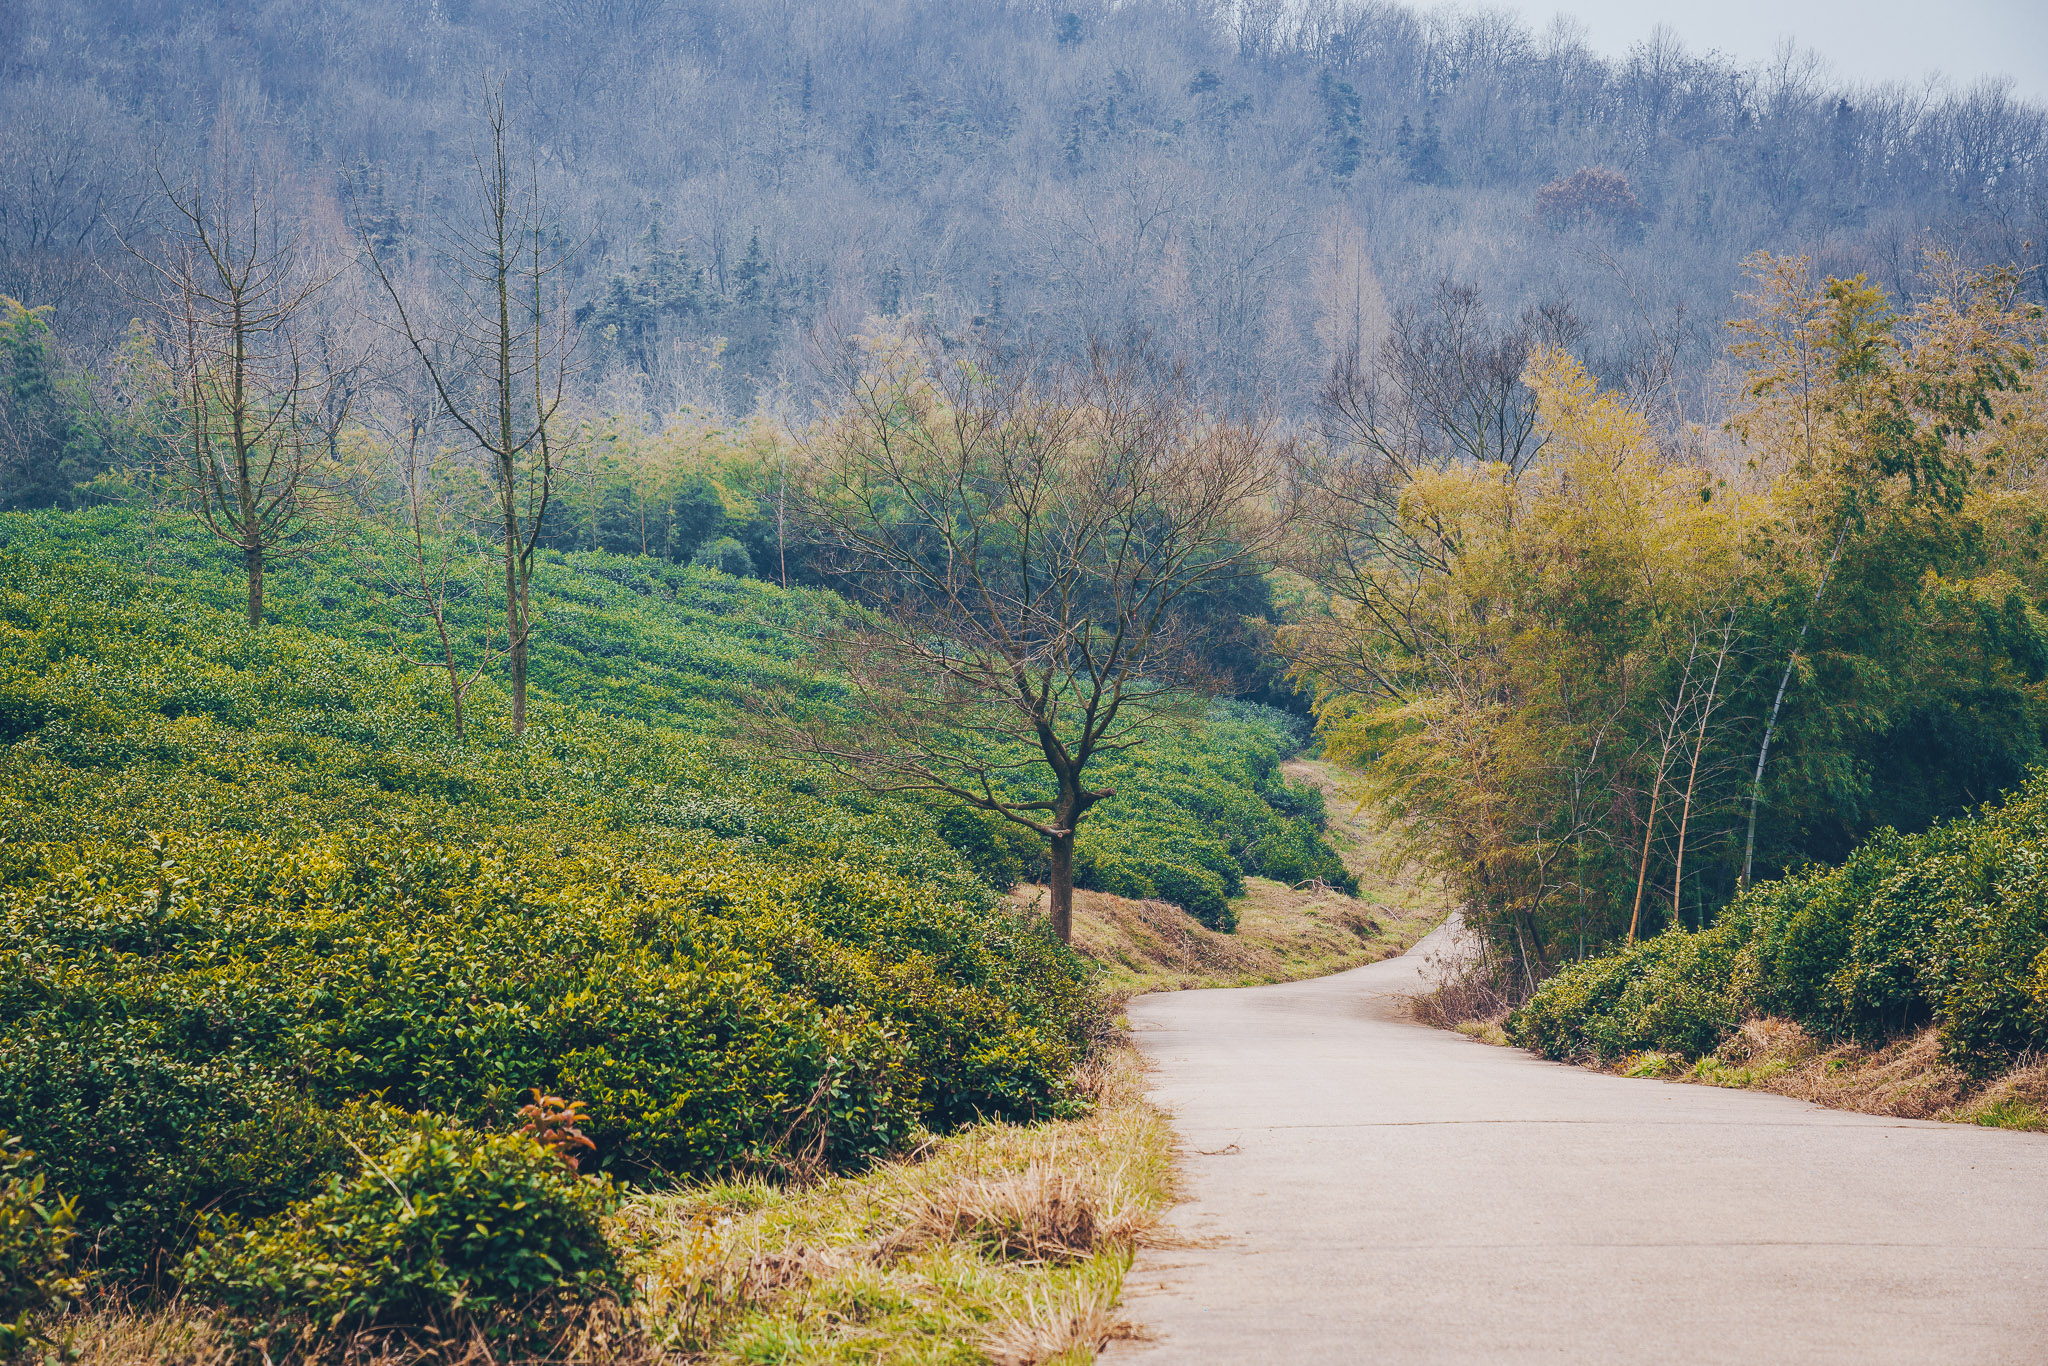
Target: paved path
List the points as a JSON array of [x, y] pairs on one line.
[[1380, 1192]]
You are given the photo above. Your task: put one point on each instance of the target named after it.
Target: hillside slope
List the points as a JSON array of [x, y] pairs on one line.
[[259, 905]]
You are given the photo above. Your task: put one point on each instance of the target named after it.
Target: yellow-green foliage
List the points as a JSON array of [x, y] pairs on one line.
[[1558, 671], [445, 1220], [36, 1232]]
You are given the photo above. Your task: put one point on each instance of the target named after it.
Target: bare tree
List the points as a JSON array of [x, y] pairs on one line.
[[429, 577], [1027, 547], [496, 348], [234, 320]]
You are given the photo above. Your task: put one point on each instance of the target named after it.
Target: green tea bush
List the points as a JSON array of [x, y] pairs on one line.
[[36, 1231], [1196, 890], [1946, 928], [201, 1016], [1670, 992], [142, 1136], [445, 1222]]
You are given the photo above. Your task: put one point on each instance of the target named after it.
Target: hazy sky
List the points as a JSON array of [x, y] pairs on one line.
[[1863, 40]]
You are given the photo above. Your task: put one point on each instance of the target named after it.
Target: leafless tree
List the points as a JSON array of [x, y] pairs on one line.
[[496, 347], [1026, 546], [235, 318], [428, 576]]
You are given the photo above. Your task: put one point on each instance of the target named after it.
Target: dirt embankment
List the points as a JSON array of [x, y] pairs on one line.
[[1284, 933]]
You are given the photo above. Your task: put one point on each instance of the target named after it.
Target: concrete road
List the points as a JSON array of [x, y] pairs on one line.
[[1369, 1190]]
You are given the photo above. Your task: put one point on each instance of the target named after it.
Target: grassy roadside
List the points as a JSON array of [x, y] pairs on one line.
[[1906, 1078], [1003, 1243]]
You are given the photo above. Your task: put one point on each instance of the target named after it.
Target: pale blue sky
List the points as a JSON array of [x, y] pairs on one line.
[[1863, 40]]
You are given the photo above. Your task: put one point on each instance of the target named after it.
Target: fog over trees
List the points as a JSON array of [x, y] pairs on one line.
[[1254, 186]]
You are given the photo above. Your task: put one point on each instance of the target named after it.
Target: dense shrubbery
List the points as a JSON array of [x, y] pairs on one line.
[[195, 1023], [1948, 928], [36, 1231], [446, 1221], [260, 911]]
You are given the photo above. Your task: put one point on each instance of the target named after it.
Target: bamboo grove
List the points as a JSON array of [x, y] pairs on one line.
[[1602, 682]]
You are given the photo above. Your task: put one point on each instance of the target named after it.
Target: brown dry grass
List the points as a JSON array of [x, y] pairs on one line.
[[1284, 933], [1003, 1242], [1906, 1078]]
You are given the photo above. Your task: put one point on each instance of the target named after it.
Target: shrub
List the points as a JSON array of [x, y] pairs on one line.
[[36, 1229], [142, 1139], [1301, 801], [1197, 891], [448, 1221], [1671, 993], [1948, 927], [726, 555]]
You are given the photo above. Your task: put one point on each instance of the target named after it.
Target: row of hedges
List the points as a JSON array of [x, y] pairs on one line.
[[131, 702], [218, 1022], [1948, 928]]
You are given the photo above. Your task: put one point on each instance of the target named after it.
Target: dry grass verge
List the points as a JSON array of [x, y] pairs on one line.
[[1905, 1078], [1003, 1243]]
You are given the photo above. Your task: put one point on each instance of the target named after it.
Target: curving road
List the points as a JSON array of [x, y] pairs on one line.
[[1363, 1189]]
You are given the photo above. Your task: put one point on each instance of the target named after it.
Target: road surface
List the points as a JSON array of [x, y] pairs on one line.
[[1363, 1189]]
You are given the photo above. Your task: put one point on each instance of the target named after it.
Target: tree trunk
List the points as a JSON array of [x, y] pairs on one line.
[[519, 684], [253, 557], [515, 597], [1061, 884]]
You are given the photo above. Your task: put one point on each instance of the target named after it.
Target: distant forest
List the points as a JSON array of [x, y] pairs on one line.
[[1256, 187]]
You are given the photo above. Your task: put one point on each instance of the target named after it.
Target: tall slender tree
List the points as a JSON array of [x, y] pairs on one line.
[[494, 337]]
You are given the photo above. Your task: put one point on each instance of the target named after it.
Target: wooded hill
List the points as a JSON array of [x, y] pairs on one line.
[[1253, 184]]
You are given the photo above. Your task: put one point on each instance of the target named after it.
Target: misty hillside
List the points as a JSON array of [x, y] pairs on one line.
[[1252, 185]]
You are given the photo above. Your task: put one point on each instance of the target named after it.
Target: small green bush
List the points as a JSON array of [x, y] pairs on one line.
[[448, 1221], [144, 1137], [36, 1230], [726, 555], [1668, 994], [1197, 891]]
